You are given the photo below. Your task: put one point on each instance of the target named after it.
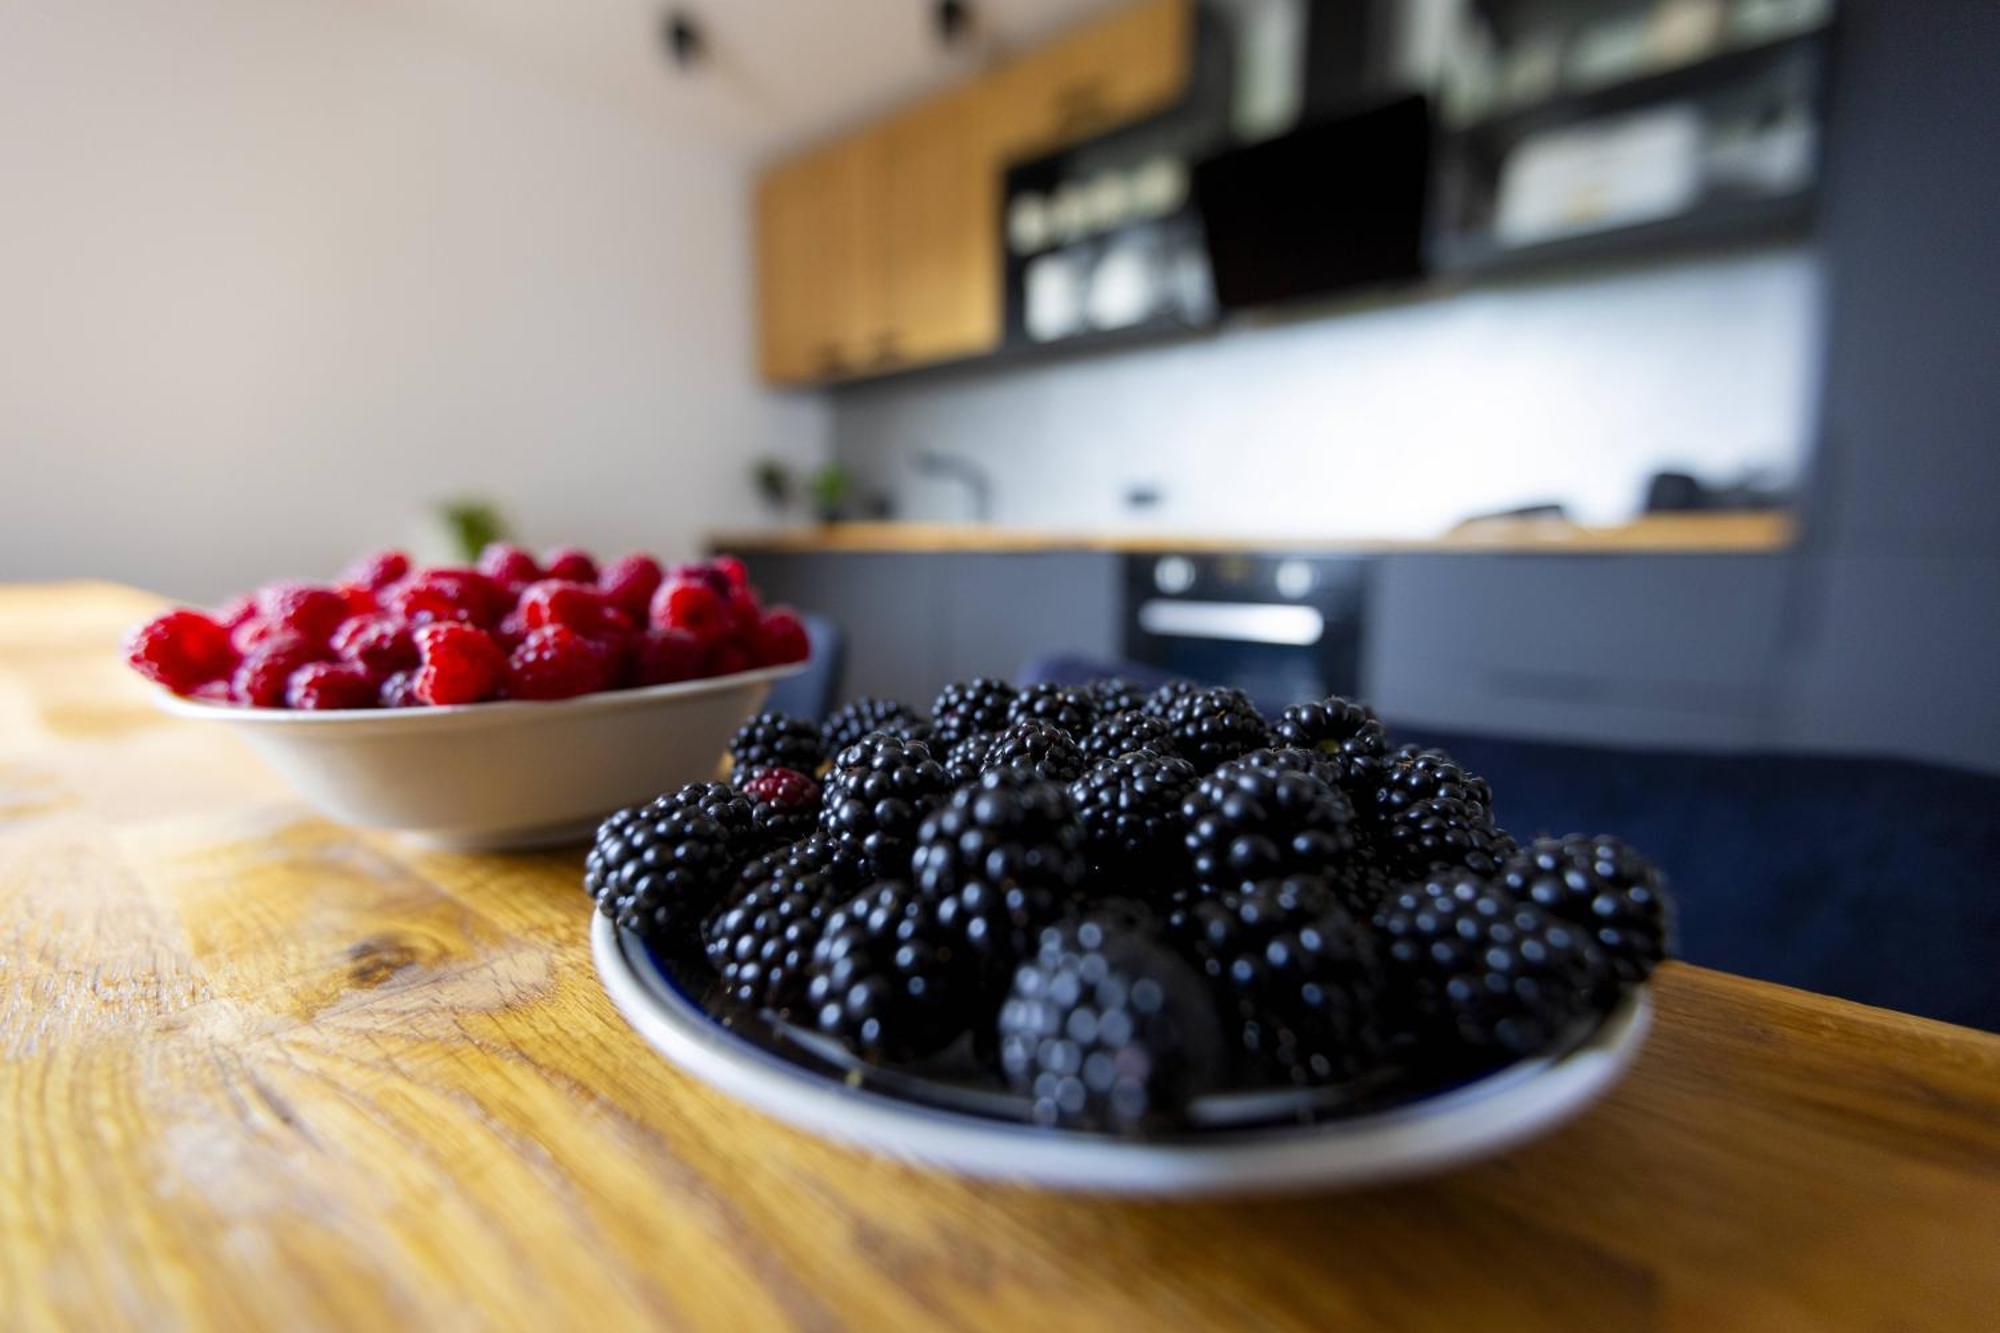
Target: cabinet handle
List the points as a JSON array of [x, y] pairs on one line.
[[830, 363], [886, 351]]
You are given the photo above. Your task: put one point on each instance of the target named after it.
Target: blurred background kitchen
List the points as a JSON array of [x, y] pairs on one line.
[[1603, 388]]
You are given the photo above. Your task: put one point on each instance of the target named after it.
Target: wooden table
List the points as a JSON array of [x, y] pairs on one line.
[[1750, 532], [262, 1070]]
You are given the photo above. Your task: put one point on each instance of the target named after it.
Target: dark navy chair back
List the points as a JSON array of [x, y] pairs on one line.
[[811, 693]]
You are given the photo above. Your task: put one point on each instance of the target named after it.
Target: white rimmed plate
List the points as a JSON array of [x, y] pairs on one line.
[[1471, 1121]]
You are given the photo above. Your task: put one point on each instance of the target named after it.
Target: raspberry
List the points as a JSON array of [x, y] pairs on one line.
[[510, 631], [449, 594], [307, 610], [745, 611], [253, 634], [461, 664], [704, 573], [324, 685], [620, 647], [567, 562], [785, 804], [575, 606], [378, 571], [399, 690], [360, 599], [732, 571], [236, 611], [555, 662], [260, 681], [509, 566], [780, 638], [180, 650], [692, 606], [726, 659], [630, 581], [378, 644], [668, 655]]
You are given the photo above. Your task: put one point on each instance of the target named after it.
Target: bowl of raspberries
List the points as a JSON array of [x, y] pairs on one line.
[[1137, 940], [508, 703]]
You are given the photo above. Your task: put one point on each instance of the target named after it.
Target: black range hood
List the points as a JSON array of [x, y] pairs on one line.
[[1336, 205]]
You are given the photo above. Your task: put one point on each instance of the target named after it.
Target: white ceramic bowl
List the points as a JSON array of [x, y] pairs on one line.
[[500, 775], [1475, 1120]]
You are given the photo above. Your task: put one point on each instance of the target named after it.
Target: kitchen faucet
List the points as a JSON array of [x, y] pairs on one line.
[[975, 478]]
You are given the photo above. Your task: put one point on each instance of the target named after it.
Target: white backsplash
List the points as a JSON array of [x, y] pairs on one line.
[[1394, 420]]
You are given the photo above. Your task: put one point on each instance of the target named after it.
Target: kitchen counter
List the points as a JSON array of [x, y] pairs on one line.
[[264, 1070], [1654, 534]]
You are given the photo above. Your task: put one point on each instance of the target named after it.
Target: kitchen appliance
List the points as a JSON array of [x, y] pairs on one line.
[[1333, 206], [1281, 626], [1295, 165]]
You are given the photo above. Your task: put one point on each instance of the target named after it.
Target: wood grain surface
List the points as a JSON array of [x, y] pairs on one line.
[[1652, 534], [261, 1071]]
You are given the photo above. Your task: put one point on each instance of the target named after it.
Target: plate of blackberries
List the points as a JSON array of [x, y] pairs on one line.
[[1135, 940]]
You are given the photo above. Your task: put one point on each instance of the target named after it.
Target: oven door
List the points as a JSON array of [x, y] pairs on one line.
[[1280, 627]]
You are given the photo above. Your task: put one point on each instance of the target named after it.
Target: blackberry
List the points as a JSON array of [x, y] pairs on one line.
[[1247, 823], [1363, 882], [719, 801], [1606, 888], [970, 708], [883, 977], [1115, 694], [784, 805], [762, 936], [1411, 774], [1045, 750], [658, 869], [1001, 859], [967, 759], [773, 740], [850, 722], [1130, 810], [1057, 705], [1331, 769], [1121, 733], [1161, 700], [1299, 979], [1477, 965], [1442, 833], [1104, 1028], [1333, 725], [1213, 726], [879, 791]]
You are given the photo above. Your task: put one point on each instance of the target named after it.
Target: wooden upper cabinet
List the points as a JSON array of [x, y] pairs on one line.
[[942, 226], [821, 255], [882, 250], [1120, 68], [790, 272], [852, 213]]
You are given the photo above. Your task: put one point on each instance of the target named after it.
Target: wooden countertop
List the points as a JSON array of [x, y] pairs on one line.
[[261, 1070], [1658, 533]]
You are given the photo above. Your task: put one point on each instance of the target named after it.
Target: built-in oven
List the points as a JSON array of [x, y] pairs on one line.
[[1283, 626]]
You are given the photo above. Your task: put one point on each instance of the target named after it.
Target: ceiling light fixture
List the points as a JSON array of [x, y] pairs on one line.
[[954, 21], [685, 42]]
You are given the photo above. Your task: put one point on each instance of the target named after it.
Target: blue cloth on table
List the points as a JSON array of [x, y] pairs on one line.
[[1869, 878]]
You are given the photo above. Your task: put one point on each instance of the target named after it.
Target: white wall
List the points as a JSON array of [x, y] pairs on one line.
[[274, 274], [1392, 420]]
